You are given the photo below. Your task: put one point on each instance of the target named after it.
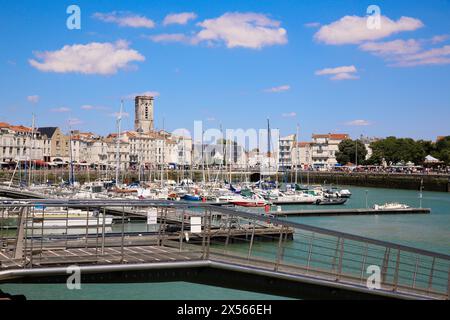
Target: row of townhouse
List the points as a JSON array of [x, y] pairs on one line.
[[151, 149], [136, 149], [50, 145], [321, 152], [20, 143]]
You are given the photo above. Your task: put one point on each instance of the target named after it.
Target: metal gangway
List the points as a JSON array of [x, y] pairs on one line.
[[292, 256]]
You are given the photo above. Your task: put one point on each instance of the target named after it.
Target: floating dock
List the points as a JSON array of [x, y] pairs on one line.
[[349, 212]]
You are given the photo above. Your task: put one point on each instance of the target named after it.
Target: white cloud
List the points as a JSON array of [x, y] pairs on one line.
[[145, 93], [246, 30], [171, 37], [125, 19], [179, 18], [339, 73], [343, 69], [440, 38], [279, 89], [312, 24], [91, 107], [60, 109], [92, 58], [74, 121], [354, 30], [435, 56], [395, 47], [289, 115], [409, 53], [344, 76], [33, 99], [117, 115], [358, 123]]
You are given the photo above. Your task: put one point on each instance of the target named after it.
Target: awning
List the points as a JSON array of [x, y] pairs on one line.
[[40, 162], [430, 158]]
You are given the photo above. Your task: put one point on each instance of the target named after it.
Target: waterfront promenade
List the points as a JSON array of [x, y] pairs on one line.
[[430, 181]]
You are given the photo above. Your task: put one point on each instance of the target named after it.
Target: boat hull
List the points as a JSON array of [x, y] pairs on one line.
[[249, 204]]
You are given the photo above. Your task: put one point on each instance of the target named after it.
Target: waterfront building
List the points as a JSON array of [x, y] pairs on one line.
[[367, 141], [285, 147], [111, 151], [228, 154], [56, 146], [19, 143], [141, 152], [80, 147], [97, 155], [302, 155], [324, 148]]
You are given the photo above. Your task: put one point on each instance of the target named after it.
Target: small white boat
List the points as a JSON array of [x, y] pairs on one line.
[[345, 193], [70, 223], [60, 218], [391, 206], [300, 198]]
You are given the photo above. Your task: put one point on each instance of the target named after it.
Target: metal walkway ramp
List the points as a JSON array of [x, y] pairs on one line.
[[243, 245]]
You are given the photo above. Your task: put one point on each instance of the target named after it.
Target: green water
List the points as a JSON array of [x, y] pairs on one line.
[[431, 232]]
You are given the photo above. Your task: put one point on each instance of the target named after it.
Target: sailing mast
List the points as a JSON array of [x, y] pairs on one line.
[[119, 122], [298, 154], [268, 144], [163, 154], [31, 150], [71, 178]]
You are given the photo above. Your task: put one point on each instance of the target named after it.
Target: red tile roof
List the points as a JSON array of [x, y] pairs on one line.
[[334, 136], [20, 129], [339, 136]]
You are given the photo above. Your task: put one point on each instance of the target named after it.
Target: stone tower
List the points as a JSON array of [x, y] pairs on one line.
[[143, 118]]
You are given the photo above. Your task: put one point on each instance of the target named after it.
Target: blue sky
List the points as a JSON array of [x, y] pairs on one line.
[[233, 63]]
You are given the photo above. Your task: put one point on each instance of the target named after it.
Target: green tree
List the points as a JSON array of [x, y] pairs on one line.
[[348, 150], [443, 150], [395, 150]]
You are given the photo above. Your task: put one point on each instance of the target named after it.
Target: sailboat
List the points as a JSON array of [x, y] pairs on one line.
[[254, 201]]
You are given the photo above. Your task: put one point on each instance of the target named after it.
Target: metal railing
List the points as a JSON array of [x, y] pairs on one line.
[[226, 235]]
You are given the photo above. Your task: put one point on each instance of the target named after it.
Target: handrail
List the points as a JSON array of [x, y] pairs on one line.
[[77, 203]]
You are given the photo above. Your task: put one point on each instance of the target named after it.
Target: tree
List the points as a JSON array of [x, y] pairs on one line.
[[428, 146], [348, 149], [395, 150], [443, 150]]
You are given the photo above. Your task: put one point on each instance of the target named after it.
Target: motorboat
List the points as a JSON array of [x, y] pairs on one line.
[[331, 202], [391, 206], [254, 201], [345, 193], [296, 198], [190, 197], [63, 217]]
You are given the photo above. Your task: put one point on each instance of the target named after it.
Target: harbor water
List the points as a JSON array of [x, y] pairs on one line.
[[425, 231]]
